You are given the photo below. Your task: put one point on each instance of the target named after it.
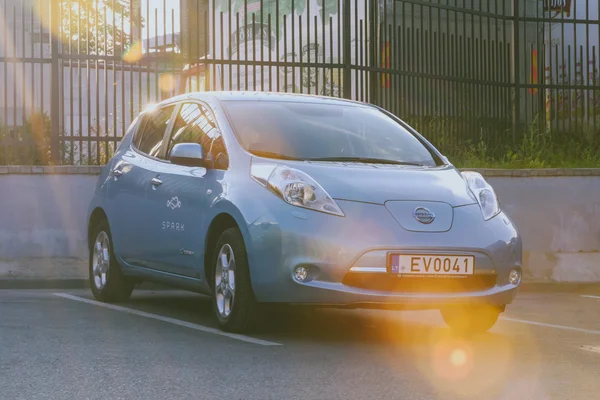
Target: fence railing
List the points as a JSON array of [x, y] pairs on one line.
[[74, 73]]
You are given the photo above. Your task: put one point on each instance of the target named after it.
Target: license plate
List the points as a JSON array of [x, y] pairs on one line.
[[429, 264]]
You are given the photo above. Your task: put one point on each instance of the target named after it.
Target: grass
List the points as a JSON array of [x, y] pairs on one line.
[[535, 147]]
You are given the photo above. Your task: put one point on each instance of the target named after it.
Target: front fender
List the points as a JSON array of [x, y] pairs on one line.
[[244, 214], [243, 220]]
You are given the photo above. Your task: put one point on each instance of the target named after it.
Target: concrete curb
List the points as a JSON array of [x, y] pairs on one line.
[[62, 284], [33, 283], [77, 283], [557, 287]]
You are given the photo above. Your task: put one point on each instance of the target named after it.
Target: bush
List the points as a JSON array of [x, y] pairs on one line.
[[30, 144], [27, 144], [497, 147]]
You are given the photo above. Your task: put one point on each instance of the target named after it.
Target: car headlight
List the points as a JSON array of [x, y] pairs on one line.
[[484, 194], [295, 187]]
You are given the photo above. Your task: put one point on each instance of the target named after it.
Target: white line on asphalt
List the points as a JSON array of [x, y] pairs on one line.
[[593, 349], [568, 328], [590, 297], [170, 320]]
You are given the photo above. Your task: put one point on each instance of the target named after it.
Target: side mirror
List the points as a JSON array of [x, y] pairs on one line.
[[187, 154]]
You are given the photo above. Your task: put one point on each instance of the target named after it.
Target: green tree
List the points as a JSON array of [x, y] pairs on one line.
[[100, 27]]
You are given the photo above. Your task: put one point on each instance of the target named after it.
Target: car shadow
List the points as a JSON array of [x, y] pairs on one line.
[[387, 341], [318, 325]]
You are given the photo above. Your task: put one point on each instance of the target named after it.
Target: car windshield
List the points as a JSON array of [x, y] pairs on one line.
[[324, 132]]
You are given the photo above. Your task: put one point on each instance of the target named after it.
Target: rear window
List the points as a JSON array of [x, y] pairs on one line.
[[319, 130]]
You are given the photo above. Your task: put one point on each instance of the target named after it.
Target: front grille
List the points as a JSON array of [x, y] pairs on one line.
[[392, 283]]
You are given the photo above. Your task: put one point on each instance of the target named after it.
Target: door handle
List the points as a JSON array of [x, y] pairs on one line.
[[155, 182]]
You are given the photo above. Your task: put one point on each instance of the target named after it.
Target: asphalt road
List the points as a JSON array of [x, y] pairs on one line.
[[163, 345]]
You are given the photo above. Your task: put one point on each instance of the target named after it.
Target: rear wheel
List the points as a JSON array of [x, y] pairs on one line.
[[233, 299], [472, 318], [106, 279]]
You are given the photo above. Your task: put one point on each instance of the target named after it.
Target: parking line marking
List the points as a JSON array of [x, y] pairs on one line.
[[593, 349], [568, 328], [590, 297], [173, 321]]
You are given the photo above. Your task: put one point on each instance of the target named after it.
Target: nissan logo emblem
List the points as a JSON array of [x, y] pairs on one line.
[[423, 215]]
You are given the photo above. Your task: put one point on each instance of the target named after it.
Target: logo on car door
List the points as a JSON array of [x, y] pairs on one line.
[[174, 203]]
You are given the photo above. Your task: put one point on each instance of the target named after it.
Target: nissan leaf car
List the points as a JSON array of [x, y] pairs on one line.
[[271, 198]]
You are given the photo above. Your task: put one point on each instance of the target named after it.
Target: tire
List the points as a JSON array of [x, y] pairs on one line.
[[113, 287], [234, 304], [471, 319]]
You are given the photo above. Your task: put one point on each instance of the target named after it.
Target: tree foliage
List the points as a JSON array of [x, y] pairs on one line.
[[100, 27]]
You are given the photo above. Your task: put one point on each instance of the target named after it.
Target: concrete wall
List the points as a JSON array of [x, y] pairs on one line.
[[559, 219], [43, 227], [42, 222]]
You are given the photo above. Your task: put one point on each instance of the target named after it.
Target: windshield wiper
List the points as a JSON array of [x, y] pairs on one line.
[[369, 160], [271, 154]]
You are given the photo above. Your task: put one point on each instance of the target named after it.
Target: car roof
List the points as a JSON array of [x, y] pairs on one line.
[[266, 96]]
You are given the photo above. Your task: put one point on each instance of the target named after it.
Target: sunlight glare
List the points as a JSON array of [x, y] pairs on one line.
[[458, 357], [134, 53], [469, 366], [452, 359], [167, 82], [150, 107]]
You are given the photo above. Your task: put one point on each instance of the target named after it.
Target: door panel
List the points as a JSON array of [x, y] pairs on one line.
[[128, 201], [176, 211], [179, 204], [126, 193]]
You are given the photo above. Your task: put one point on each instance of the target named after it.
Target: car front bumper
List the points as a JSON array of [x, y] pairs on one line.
[[286, 237]]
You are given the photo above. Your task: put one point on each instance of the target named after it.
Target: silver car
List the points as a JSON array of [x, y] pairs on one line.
[[256, 198]]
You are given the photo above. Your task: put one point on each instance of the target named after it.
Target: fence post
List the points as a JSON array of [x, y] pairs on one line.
[[347, 74], [516, 70], [541, 81], [55, 78], [373, 42]]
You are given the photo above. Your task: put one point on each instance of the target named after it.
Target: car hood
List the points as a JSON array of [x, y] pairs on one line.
[[382, 183]]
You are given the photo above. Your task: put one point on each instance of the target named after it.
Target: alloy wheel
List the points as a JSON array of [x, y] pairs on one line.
[[101, 260], [225, 281]]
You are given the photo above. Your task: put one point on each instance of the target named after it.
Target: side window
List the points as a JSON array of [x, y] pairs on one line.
[[195, 124], [149, 138]]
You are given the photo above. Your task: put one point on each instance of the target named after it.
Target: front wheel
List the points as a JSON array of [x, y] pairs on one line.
[[471, 319], [233, 299]]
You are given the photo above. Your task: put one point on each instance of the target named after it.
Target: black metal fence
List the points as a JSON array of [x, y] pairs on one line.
[[74, 73], [445, 66]]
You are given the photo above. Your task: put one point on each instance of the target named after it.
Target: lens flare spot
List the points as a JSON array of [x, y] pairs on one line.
[[150, 107], [458, 357], [452, 359], [166, 82], [134, 53]]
